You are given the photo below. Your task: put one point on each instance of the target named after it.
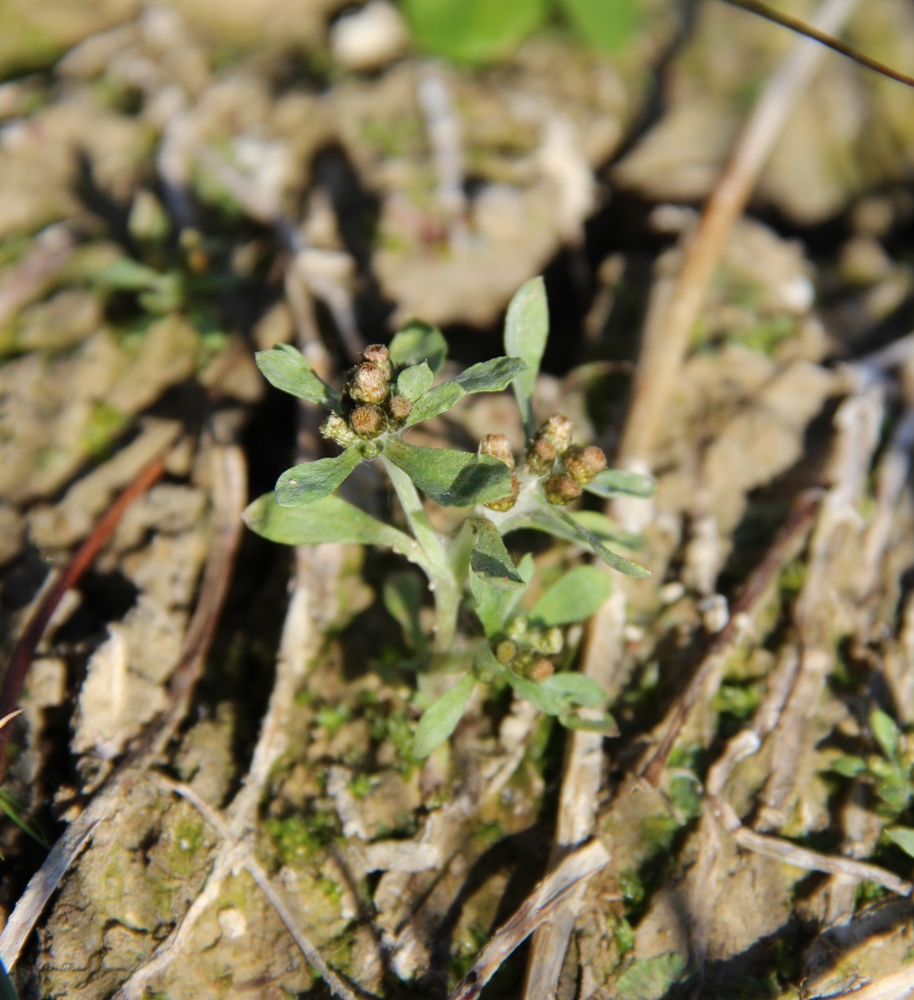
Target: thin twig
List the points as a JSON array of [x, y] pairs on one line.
[[24, 650], [249, 863], [667, 342], [539, 906]]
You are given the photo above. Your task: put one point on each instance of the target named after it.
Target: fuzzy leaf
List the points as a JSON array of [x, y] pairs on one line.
[[526, 330], [495, 604], [617, 482], [885, 731], [491, 559], [402, 593], [328, 520], [451, 478], [413, 382], [303, 484], [595, 522], [439, 721], [575, 689], [287, 369], [418, 342], [488, 376], [611, 559], [903, 836], [574, 598]]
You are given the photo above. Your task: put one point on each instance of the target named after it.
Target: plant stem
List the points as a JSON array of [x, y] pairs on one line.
[[445, 586]]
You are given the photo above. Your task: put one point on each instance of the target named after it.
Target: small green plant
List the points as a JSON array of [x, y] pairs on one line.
[[388, 393]]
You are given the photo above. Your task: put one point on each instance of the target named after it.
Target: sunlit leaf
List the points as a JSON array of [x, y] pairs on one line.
[[606, 725], [472, 31], [327, 520], [573, 598], [491, 559], [617, 482], [287, 369], [611, 559], [608, 27], [439, 721], [303, 484], [885, 732], [487, 376], [414, 381], [451, 478], [575, 689], [495, 604], [418, 342], [903, 836], [526, 331], [848, 766]]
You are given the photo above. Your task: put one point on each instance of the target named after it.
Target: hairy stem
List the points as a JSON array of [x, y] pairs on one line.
[[441, 576]]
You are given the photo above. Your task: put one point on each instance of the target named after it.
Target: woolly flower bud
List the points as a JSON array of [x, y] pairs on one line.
[[505, 652], [497, 446], [549, 642], [517, 628], [399, 407], [540, 669], [561, 489], [368, 421], [368, 384], [583, 464], [557, 431], [336, 429], [541, 456], [506, 503], [379, 356]]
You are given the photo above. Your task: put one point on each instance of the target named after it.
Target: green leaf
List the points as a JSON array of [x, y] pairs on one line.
[[575, 689], [491, 559], [439, 721], [7, 988], [526, 331], [538, 696], [402, 593], [611, 559], [596, 523], [885, 732], [451, 478], [303, 484], [20, 816], [472, 31], [418, 342], [903, 836], [415, 381], [608, 27], [328, 520], [287, 369], [574, 598], [848, 766], [617, 482], [129, 276], [495, 604], [606, 725], [488, 376]]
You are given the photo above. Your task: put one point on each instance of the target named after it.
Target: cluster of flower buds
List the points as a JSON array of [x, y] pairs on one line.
[[526, 650], [576, 466], [370, 406], [498, 446]]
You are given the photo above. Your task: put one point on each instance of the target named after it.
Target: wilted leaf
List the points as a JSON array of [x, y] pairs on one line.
[[495, 604], [451, 478], [439, 721], [327, 520], [526, 331], [575, 689], [903, 836], [573, 598], [418, 342], [885, 732], [488, 376], [617, 482], [287, 369], [491, 559], [303, 484], [414, 381]]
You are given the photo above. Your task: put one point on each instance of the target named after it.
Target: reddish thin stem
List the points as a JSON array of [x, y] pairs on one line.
[[21, 658]]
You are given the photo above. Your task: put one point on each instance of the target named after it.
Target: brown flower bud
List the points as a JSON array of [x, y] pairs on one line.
[[557, 431], [379, 356], [368, 421], [368, 384], [336, 429], [561, 489], [497, 446], [540, 669], [541, 456], [399, 407], [583, 464], [506, 503], [505, 652]]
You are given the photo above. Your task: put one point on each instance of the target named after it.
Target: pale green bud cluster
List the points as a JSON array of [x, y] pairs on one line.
[[527, 650]]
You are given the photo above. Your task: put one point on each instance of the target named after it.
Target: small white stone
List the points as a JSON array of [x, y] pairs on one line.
[[232, 923], [633, 633], [671, 592], [715, 612], [369, 38]]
